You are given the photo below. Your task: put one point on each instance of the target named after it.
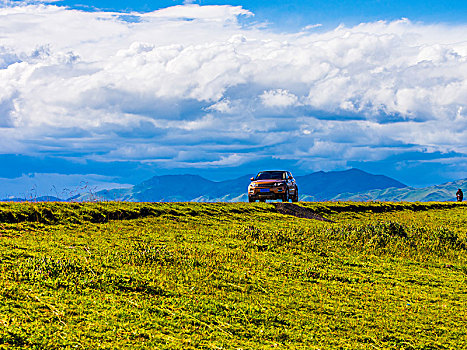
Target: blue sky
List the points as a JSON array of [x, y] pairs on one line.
[[291, 15], [111, 92]]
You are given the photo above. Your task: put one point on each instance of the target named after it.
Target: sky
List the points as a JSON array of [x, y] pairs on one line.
[[99, 94]]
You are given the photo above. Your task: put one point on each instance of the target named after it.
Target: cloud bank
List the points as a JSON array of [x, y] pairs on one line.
[[191, 86]]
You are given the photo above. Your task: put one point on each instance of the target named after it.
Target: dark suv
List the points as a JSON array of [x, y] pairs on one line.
[[273, 184]]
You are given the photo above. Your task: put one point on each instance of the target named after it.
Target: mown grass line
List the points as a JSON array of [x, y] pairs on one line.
[[101, 212]]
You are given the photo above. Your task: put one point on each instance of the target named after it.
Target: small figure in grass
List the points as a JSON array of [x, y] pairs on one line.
[[459, 195]]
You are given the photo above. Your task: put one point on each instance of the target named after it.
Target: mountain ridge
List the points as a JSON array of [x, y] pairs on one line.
[[436, 193], [347, 185], [319, 185], [326, 185]]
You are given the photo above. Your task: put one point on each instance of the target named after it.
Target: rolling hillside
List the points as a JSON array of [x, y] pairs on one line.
[[182, 276]]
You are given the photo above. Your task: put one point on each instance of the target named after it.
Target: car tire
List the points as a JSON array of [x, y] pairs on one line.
[[262, 200], [251, 200], [295, 196], [285, 198]]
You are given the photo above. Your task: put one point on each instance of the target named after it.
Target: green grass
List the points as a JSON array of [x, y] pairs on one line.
[[233, 276]]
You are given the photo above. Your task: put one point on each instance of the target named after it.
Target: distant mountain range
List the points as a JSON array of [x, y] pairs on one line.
[[177, 188], [322, 185], [42, 199], [353, 184], [437, 193], [34, 199]]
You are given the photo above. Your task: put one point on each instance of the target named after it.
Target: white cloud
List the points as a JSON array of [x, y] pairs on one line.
[[312, 26], [278, 98], [223, 106], [224, 161], [219, 13], [187, 78]]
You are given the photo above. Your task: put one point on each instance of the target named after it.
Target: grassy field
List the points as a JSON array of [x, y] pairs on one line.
[[233, 276]]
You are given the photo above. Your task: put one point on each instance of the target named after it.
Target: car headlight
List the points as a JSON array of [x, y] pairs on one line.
[[277, 184], [253, 185]]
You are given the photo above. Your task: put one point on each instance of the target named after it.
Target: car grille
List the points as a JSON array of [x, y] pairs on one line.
[[270, 184]]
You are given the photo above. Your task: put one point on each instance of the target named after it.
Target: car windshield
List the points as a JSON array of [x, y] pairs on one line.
[[271, 175]]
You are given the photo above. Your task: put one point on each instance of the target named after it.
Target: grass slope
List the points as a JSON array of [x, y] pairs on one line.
[[233, 276]]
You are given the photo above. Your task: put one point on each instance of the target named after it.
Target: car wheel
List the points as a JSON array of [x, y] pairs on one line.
[[262, 200], [286, 196], [251, 200], [295, 196]]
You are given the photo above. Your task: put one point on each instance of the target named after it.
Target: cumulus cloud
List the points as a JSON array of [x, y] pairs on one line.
[[191, 85], [278, 98]]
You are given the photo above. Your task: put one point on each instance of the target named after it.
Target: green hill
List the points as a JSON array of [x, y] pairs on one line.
[[232, 276]]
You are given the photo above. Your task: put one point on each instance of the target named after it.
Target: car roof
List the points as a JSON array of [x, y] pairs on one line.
[[272, 171]]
